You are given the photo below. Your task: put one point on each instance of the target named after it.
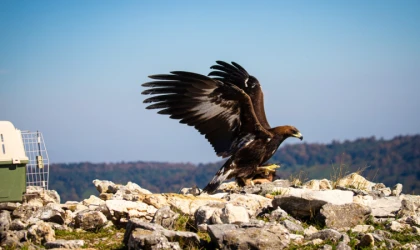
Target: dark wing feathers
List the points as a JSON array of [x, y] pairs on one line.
[[237, 75], [216, 109]]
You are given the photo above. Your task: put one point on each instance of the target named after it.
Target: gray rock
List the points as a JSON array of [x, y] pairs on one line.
[[392, 244], [362, 228], [204, 213], [276, 215], [158, 231], [385, 207], [9, 239], [51, 213], [396, 191], [41, 232], [151, 240], [326, 247], [345, 238], [292, 227], [252, 202], [310, 230], [231, 214], [410, 206], [24, 212], [17, 225], [268, 237], [10, 206], [90, 220], [253, 223], [217, 231], [105, 186], [347, 215], [397, 226], [165, 217], [68, 244], [326, 234], [5, 220], [307, 203], [342, 246], [39, 193]]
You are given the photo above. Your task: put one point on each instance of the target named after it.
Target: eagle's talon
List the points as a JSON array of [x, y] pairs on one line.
[[268, 169]]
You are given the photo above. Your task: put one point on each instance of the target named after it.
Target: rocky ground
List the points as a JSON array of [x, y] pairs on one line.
[[351, 213]]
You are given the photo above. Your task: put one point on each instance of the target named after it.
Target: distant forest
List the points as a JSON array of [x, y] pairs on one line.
[[387, 161]]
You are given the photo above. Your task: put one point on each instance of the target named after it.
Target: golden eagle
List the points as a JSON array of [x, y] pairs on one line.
[[228, 108]]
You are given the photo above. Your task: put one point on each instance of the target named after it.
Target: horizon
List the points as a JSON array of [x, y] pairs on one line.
[[224, 159], [335, 70]]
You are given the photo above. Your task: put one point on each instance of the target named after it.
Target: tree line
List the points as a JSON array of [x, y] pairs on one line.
[[388, 161]]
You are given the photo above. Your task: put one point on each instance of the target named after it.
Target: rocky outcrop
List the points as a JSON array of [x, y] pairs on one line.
[[271, 215]]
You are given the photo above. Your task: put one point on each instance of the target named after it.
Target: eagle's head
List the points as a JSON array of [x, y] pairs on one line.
[[288, 131]]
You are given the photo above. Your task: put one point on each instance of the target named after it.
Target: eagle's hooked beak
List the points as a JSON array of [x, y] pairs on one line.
[[298, 135]]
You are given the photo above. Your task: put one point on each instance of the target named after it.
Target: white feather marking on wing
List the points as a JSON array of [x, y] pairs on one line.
[[208, 110], [221, 177], [246, 82]]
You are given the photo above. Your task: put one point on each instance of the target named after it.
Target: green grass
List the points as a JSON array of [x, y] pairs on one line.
[[107, 239]]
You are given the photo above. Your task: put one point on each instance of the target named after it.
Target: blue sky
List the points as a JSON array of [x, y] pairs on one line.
[[336, 70]]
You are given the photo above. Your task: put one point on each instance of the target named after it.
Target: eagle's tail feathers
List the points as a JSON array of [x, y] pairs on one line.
[[220, 177]]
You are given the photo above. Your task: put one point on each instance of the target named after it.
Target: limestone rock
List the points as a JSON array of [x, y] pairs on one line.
[[10, 239], [410, 206], [5, 220], [93, 200], [326, 234], [362, 228], [342, 246], [156, 200], [41, 232], [397, 226], [339, 216], [9, 206], [90, 220], [310, 230], [130, 192], [227, 236], [146, 239], [67, 244], [277, 214], [396, 191], [217, 231], [307, 203], [137, 231], [355, 181], [122, 209], [292, 227], [16, 225], [204, 214], [52, 212], [24, 212], [251, 202], [105, 186], [230, 214], [385, 207], [165, 217], [189, 204], [46, 196]]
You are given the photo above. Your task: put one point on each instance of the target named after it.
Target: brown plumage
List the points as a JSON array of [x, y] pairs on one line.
[[228, 109]]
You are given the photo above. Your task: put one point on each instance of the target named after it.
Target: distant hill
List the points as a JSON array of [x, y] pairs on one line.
[[387, 161]]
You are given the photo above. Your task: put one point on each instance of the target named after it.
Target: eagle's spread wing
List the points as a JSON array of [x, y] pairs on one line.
[[221, 111], [237, 75]]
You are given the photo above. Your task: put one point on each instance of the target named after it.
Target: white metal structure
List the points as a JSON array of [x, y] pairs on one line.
[[37, 169]]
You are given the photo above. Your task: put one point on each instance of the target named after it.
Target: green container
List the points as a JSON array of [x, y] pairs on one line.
[[12, 181], [13, 162]]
